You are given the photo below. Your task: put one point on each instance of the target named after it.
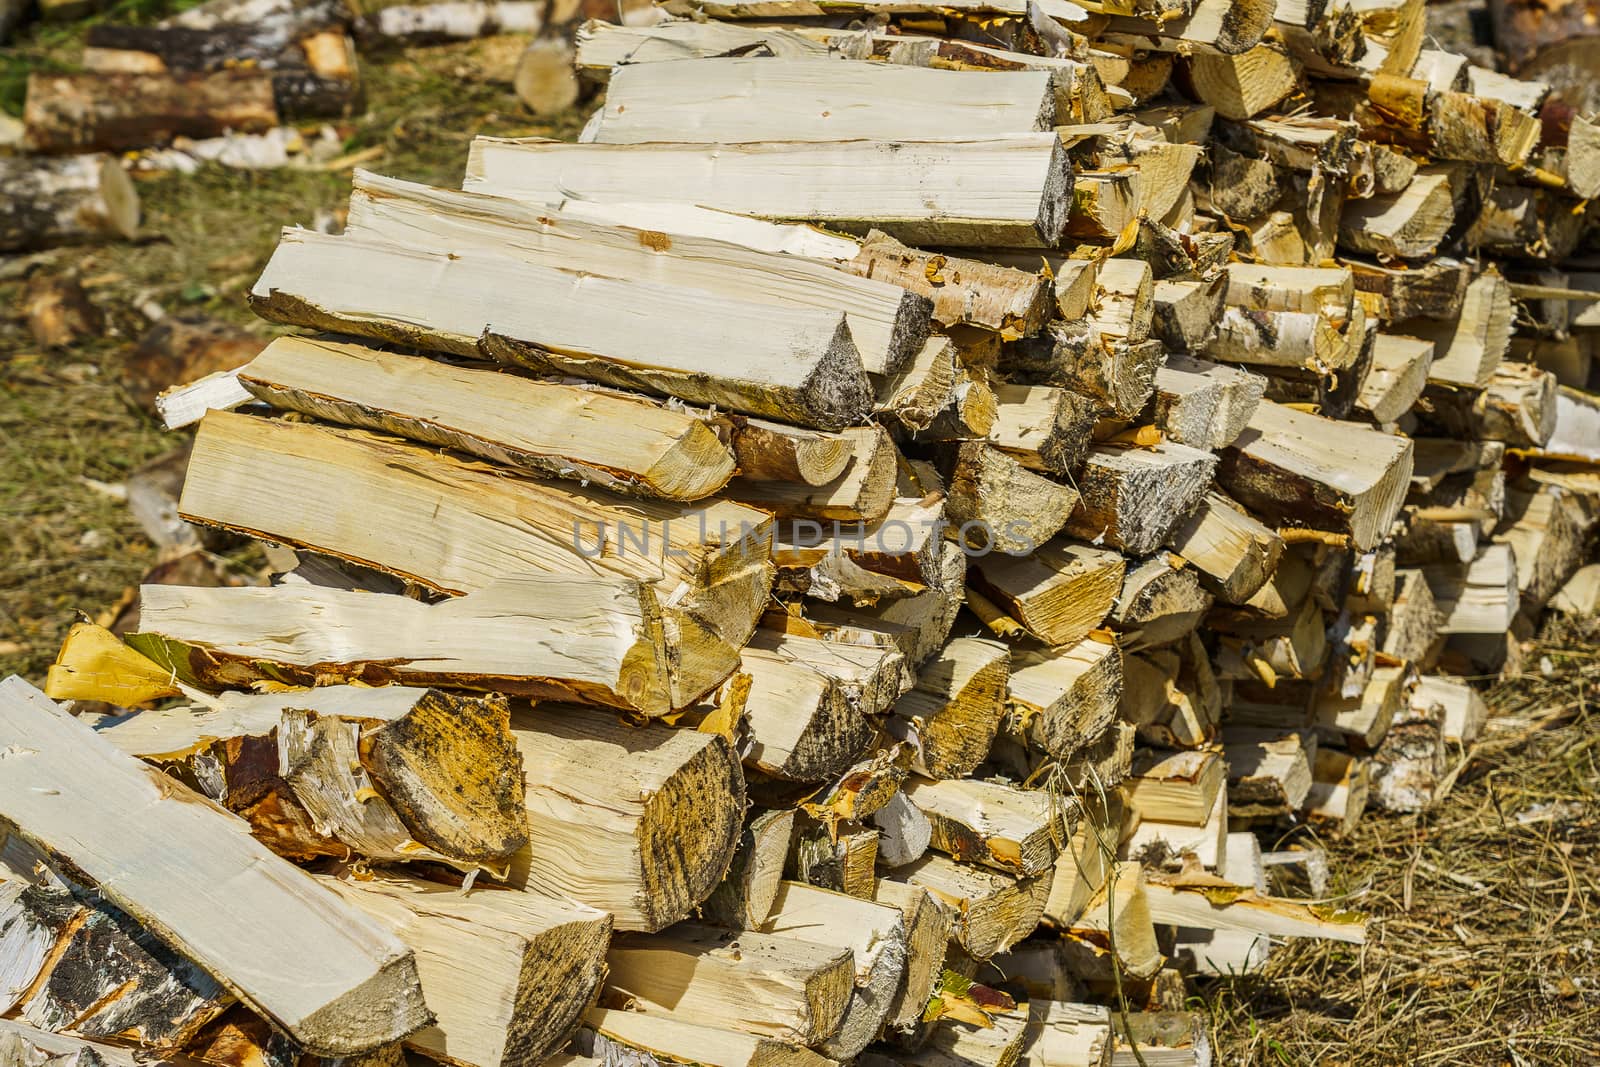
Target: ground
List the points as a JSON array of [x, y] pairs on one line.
[[1486, 910]]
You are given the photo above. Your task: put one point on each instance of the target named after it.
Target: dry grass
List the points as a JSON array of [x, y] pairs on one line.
[[1483, 946], [1485, 911]]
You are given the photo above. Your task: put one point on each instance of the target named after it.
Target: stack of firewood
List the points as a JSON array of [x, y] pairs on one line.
[[851, 560]]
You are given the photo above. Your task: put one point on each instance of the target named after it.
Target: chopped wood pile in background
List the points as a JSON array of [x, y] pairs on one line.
[[859, 558]]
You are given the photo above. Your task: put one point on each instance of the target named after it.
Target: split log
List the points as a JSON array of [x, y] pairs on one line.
[[771, 986], [1338, 793], [1269, 772], [1406, 225], [1000, 826], [1063, 699], [1468, 347], [1431, 290], [1398, 376], [1043, 427], [1161, 602], [863, 492], [78, 965], [1085, 860], [809, 703], [55, 201], [1134, 498], [952, 714], [1298, 468], [830, 856], [887, 324], [799, 364], [138, 831], [1413, 622], [1186, 312], [1477, 597], [1014, 303], [1027, 183], [928, 924], [1114, 377], [744, 897], [1235, 552], [993, 911], [896, 557], [738, 100], [999, 505], [654, 813], [111, 112], [1246, 84], [1058, 594], [640, 1039], [1066, 1035], [1177, 787], [1359, 722], [957, 1044], [393, 774], [545, 429], [1549, 531], [875, 935], [1193, 906], [601, 639], [507, 974], [1225, 26], [1463, 710], [1204, 404], [1117, 920], [904, 833], [1518, 406], [516, 526], [1103, 204], [1172, 697]]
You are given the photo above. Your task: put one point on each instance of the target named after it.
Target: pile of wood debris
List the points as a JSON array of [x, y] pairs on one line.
[[848, 562]]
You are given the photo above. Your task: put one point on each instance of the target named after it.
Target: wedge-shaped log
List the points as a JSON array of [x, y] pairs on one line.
[[999, 505], [799, 364], [1111, 377], [1064, 1034], [1269, 771], [621, 1037], [928, 924], [1407, 225], [1398, 375], [1026, 182], [336, 981], [1000, 826], [1178, 787], [1469, 345], [775, 452], [712, 563], [951, 715], [874, 933], [965, 292], [993, 911], [762, 984], [1043, 427], [1194, 906], [413, 773], [1235, 552], [1062, 699], [744, 896], [1204, 404], [752, 99], [1477, 597], [887, 323], [1161, 602], [1117, 919], [638, 822], [82, 966], [543, 428], [1134, 498], [507, 973], [1058, 594], [1291, 467], [810, 701], [535, 636]]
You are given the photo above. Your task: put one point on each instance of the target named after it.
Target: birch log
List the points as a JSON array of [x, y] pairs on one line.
[[55, 201]]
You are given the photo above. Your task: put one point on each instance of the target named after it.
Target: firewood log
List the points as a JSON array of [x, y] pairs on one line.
[[736, 100], [1264, 916], [637, 1039], [864, 490], [580, 762], [1111, 380], [833, 856], [957, 1044], [1134, 498], [110, 112], [1045, 428], [764, 984], [1204, 404], [456, 21], [1178, 787], [1014, 303], [434, 775], [1066, 1034], [55, 201], [1548, 530], [507, 973], [997, 504], [1246, 84], [138, 832], [874, 933], [540, 427], [1407, 225], [1293, 467], [1062, 699], [1026, 178], [951, 715], [772, 451], [1161, 601], [744, 897], [994, 911], [1227, 26], [887, 324], [1398, 376], [727, 573], [1058, 594], [84, 967], [1119, 917], [571, 324], [995, 825]]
